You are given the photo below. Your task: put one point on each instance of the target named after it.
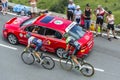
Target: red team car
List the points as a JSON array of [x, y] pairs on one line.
[[51, 32]]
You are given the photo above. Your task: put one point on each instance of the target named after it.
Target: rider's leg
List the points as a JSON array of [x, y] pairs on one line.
[[74, 58], [37, 55], [38, 46]]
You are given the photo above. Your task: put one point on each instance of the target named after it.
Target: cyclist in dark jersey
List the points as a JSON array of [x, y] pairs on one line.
[[70, 41], [34, 41]]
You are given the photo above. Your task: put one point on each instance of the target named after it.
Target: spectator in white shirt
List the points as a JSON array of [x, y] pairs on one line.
[[70, 10], [110, 21], [100, 12], [77, 14]]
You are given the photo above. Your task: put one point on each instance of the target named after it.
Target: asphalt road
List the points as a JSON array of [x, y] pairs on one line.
[[105, 57]]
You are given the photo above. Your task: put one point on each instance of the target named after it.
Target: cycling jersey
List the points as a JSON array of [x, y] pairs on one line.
[[70, 40], [30, 40], [37, 42]]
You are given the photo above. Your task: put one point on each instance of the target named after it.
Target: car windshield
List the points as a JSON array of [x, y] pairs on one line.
[[76, 31], [27, 22]]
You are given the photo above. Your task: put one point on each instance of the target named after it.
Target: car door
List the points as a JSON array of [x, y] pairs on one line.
[[40, 34], [53, 39], [22, 34]]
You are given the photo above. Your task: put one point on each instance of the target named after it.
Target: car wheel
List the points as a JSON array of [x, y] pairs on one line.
[[12, 39], [59, 52]]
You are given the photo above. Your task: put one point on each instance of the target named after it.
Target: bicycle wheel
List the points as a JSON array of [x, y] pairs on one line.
[[66, 64], [87, 69], [48, 62], [27, 58]]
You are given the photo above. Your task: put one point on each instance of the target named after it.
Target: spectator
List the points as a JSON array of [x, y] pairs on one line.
[[82, 21], [33, 4], [4, 6], [77, 14], [110, 21], [70, 10], [99, 18], [87, 16]]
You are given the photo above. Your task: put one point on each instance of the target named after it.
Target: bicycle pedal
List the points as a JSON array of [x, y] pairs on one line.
[[37, 60]]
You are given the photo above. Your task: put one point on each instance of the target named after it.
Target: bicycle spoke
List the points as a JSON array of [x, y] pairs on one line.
[[27, 58], [87, 69], [48, 62]]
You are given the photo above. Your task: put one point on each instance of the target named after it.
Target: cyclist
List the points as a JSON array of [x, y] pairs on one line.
[[70, 41], [34, 41]]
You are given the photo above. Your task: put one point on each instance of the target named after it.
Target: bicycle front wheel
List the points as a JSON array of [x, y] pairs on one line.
[[87, 69], [48, 62], [66, 64], [27, 58]]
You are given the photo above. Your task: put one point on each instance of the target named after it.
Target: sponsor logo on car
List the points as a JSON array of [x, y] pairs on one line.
[[58, 22]]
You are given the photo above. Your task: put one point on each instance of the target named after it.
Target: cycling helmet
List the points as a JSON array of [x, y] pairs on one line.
[[28, 35], [65, 35]]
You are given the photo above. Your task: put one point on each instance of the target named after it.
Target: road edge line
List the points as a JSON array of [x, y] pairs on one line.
[[13, 48], [97, 69]]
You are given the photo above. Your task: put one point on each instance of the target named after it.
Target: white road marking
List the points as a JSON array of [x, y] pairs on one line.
[[97, 69], [13, 48]]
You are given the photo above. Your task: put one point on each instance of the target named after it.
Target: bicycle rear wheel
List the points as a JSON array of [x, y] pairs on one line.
[[87, 69], [48, 62], [66, 64], [27, 58]]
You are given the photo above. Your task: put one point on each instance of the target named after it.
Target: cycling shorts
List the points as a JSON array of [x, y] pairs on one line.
[[38, 43]]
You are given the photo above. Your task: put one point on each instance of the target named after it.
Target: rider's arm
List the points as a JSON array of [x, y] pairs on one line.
[[29, 43]]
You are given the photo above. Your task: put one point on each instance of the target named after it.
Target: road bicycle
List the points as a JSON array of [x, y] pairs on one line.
[[67, 63], [29, 58]]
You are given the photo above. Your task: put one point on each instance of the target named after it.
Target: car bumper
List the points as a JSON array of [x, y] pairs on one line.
[[86, 51], [4, 33]]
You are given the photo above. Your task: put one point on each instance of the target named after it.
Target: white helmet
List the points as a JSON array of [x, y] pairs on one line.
[[77, 7]]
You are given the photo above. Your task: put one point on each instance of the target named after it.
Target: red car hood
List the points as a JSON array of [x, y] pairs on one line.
[[86, 38], [16, 21]]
